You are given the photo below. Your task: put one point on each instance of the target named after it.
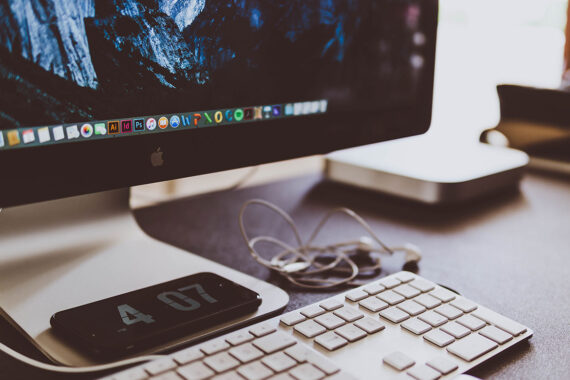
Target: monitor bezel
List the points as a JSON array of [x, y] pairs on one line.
[[57, 171]]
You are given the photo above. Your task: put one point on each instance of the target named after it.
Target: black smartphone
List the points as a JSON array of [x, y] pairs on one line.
[[152, 316]]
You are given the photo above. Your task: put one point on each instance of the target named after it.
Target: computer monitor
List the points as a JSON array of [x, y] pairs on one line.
[[106, 94]]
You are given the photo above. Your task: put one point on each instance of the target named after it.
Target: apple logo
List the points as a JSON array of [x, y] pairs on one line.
[[156, 158]]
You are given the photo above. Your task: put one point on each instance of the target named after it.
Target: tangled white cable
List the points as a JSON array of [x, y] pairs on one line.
[[306, 264]]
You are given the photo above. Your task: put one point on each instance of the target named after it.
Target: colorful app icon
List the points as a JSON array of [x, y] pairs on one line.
[[267, 112], [218, 117], [208, 118], [276, 111], [28, 136], [113, 127], [13, 137], [150, 124], [162, 122], [1, 139], [306, 108], [100, 129], [238, 114], [86, 130], [186, 120], [196, 117], [58, 133], [138, 125], [72, 132], [323, 105], [126, 126], [298, 109], [248, 114], [257, 113], [289, 109], [174, 121], [43, 135]]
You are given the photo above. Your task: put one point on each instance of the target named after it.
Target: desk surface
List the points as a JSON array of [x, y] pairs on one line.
[[510, 253]]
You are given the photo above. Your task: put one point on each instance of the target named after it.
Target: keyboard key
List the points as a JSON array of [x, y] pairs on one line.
[[158, 366], [310, 328], [188, 355], [255, 371], [423, 372], [464, 305], [374, 288], [501, 322], [245, 353], [472, 347], [350, 332], [322, 363], [427, 301], [398, 360], [407, 291], [298, 352], [136, 373], [444, 365], [331, 341], [292, 319], [456, 330], [373, 304], [411, 307], [416, 326], [495, 334], [279, 362], [389, 282], [356, 295], [422, 285], [170, 376], [281, 376], [443, 295], [448, 311], [369, 325], [306, 372], [262, 330], [312, 311], [394, 315], [471, 322], [390, 297], [330, 321], [439, 338], [195, 371], [349, 314], [331, 304], [274, 342], [221, 362], [232, 375], [214, 346], [239, 338], [405, 276], [433, 318]]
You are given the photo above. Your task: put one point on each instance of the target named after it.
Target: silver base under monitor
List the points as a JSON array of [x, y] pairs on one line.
[[428, 170], [61, 254]]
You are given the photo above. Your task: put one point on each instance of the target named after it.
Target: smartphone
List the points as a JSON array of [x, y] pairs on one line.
[[149, 317]]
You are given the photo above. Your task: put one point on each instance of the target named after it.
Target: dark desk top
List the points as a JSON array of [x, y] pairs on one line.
[[509, 252]]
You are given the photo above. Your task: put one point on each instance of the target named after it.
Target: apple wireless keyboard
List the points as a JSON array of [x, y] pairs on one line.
[[400, 327]]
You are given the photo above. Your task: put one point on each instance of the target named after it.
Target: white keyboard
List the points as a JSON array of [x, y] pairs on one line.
[[400, 327]]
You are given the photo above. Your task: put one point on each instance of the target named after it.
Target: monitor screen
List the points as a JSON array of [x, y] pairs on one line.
[[88, 85]]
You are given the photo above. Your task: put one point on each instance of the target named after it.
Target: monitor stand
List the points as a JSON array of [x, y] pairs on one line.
[[60, 254]]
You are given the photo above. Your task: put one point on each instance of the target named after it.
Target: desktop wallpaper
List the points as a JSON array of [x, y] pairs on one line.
[[71, 61]]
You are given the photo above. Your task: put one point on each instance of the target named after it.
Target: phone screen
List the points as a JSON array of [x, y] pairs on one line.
[[154, 315]]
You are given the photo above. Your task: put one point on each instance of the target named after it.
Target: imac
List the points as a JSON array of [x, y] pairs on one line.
[[98, 96]]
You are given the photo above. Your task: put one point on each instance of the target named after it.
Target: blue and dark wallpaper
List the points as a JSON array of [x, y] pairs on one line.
[[68, 60]]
